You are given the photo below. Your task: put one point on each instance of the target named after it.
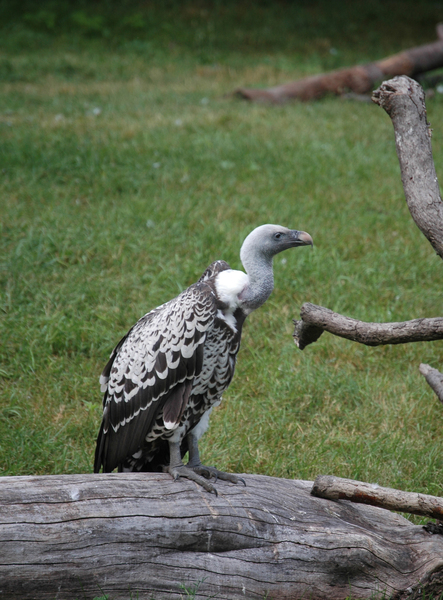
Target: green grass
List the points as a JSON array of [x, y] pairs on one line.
[[126, 169]]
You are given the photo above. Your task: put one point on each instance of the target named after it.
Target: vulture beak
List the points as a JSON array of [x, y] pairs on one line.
[[301, 238]]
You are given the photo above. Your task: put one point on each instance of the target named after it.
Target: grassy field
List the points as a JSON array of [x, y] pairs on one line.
[[126, 168]]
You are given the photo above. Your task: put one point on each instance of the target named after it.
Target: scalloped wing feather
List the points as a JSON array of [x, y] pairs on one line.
[[152, 368]]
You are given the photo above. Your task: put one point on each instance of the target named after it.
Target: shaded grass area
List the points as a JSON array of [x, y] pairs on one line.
[[286, 36], [125, 170]]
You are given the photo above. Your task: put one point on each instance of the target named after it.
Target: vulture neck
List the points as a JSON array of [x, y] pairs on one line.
[[258, 267]]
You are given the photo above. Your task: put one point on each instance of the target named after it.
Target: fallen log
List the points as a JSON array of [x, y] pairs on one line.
[[81, 536], [359, 79]]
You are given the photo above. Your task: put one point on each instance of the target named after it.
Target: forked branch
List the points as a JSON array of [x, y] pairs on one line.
[[404, 101]]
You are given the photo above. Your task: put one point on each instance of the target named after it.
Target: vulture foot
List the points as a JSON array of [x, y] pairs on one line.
[[209, 472], [183, 471]]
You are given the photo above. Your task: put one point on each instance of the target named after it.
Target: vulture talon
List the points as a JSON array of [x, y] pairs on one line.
[[183, 471], [166, 375], [222, 475], [203, 471]]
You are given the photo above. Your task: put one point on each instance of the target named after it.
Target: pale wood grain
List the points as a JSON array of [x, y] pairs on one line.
[[68, 536]]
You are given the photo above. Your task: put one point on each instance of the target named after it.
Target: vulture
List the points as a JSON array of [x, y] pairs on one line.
[[169, 371]]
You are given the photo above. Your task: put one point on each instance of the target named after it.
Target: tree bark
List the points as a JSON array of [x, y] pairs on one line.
[[359, 79], [316, 319], [404, 101], [82, 536], [434, 379], [336, 488]]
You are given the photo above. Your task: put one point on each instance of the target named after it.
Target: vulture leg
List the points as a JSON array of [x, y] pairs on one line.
[[178, 469], [195, 464]]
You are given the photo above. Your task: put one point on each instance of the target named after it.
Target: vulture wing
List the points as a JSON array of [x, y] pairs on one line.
[[152, 369]]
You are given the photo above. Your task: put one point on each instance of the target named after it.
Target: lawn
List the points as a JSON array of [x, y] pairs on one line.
[[127, 167]]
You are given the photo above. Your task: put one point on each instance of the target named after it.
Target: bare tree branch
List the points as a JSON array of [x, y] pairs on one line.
[[316, 319], [404, 101], [434, 379], [336, 488]]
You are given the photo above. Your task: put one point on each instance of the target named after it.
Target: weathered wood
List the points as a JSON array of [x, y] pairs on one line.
[[359, 79], [306, 333], [316, 319], [337, 488], [80, 536], [434, 379], [404, 101]]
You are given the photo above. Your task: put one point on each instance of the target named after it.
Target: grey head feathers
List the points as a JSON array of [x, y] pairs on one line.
[[256, 254]]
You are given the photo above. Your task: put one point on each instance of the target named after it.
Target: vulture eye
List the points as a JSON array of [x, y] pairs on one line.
[[278, 236]]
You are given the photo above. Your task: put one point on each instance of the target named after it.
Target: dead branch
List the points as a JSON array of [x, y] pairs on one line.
[[316, 319], [359, 79], [434, 379], [404, 101], [336, 488]]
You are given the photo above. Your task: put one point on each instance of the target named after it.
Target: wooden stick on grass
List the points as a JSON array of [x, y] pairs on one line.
[[359, 79]]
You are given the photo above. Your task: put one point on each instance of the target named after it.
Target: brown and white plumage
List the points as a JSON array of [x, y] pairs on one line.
[[165, 376]]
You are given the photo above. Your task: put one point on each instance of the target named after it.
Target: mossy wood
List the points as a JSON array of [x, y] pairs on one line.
[[79, 536]]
